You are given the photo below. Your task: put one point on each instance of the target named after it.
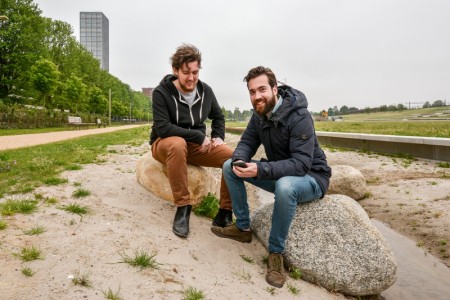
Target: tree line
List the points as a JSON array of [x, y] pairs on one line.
[[42, 64]]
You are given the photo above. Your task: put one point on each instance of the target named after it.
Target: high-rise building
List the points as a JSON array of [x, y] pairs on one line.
[[94, 35]]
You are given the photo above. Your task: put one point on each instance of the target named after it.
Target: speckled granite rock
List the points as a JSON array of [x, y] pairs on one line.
[[347, 180], [333, 242]]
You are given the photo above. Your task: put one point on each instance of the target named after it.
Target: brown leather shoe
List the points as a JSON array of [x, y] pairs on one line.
[[275, 267], [234, 233]]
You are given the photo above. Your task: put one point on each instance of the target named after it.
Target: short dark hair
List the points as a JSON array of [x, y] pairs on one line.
[[258, 71], [186, 53]]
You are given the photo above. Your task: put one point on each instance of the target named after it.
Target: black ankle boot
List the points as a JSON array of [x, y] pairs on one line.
[[181, 222], [223, 218]]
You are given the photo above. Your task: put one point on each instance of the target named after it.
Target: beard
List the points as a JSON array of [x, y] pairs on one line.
[[264, 106]]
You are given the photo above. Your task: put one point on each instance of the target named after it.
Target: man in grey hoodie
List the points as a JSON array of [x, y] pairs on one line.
[[181, 104]]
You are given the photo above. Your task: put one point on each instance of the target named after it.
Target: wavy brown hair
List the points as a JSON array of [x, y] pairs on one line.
[[258, 71], [185, 54]]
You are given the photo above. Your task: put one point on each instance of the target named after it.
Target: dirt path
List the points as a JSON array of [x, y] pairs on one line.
[[26, 140]]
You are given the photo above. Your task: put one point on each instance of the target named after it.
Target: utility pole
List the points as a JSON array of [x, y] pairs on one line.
[[109, 112]]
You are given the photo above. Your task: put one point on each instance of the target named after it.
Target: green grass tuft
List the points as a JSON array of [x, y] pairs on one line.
[[141, 259], [80, 193], [443, 164], [294, 290], [295, 273], [111, 295], [247, 258], [29, 253], [55, 181], [76, 209], [82, 279], [3, 225], [11, 207], [208, 207], [28, 272], [35, 230], [192, 293]]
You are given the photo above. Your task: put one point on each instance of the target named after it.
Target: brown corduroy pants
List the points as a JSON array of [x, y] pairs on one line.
[[176, 153]]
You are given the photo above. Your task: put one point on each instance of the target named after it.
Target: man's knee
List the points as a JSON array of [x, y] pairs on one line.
[[227, 166], [177, 145]]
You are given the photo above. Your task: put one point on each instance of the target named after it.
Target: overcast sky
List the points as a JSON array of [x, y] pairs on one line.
[[337, 52]]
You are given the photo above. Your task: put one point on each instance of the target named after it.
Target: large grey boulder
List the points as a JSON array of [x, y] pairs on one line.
[[349, 181], [334, 244], [152, 175]]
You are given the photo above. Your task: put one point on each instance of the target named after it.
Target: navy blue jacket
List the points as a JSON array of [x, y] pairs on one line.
[[172, 116], [289, 140]]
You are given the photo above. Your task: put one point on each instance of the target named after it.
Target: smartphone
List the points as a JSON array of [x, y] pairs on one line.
[[240, 164]]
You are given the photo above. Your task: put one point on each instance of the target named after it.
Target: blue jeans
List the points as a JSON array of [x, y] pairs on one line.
[[289, 192]]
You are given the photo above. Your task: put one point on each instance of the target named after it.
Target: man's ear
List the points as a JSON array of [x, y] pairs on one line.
[[275, 90], [175, 71]]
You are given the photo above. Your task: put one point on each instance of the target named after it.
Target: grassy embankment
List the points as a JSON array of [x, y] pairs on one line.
[[390, 123], [23, 170]]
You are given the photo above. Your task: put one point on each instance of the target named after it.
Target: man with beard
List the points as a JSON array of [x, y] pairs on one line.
[[295, 170], [181, 104]]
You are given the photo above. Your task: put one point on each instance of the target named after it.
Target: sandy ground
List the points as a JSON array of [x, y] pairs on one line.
[[412, 197]]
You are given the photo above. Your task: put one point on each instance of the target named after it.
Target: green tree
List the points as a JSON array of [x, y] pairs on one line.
[[344, 110], [44, 76], [97, 101], [426, 105], [74, 91], [21, 45], [438, 103]]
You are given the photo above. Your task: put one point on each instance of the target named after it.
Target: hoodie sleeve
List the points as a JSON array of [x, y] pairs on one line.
[[163, 124]]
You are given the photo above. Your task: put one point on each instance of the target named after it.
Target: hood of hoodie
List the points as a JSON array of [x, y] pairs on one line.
[[292, 100], [167, 84]]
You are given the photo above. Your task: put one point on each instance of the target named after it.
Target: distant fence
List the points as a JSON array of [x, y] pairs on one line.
[[415, 146]]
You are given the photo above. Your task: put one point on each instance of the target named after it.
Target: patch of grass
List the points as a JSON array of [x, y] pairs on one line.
[[247, 258], [141, 259], [192, 293], [29, 253], [295, 273], [243, 275], [55, 181], [34, 165], [265, 260], [420, 244], [443, 242], [76, 183], [11, 207], [73, 167], [50, 200], [367, 195], [208, 207], [3, 225], [111, 295], [82, 279], [35, 230], [80, 193], [28, 272], [76, 209], [293, 289], [443, 164]]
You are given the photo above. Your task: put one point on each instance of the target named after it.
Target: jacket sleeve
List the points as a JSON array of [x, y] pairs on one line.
[[164, 125], [216, 115], [302, 138], [249, 143]]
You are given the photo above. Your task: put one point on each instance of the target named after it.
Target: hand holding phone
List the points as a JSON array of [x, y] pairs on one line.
[[240, 164]]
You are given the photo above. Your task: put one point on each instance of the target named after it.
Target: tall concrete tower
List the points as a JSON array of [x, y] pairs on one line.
[[94, 35]]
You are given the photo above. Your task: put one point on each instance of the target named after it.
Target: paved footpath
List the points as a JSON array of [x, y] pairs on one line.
[[27, 140]]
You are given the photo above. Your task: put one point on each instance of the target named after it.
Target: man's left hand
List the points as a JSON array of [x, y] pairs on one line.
[[217, 142]]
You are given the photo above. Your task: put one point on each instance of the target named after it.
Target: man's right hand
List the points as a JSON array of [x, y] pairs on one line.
[[206, 145]]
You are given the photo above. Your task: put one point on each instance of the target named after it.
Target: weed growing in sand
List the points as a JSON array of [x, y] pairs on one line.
[[111, 295], [243, 275], [293, 289], [35, 230], [55, 181], [3, 225], [208, 207], [72, 222], [27, 271], [271, 290], [265, 260], [76, 183], [367, 195], [141, 259], [295, 273], [443, 242], [76, 209], [443, 164], [80, 193], [50, 200], [247, 258], [11, 207], [82, 279], [420, 244], [192, 293], [29, 253]]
